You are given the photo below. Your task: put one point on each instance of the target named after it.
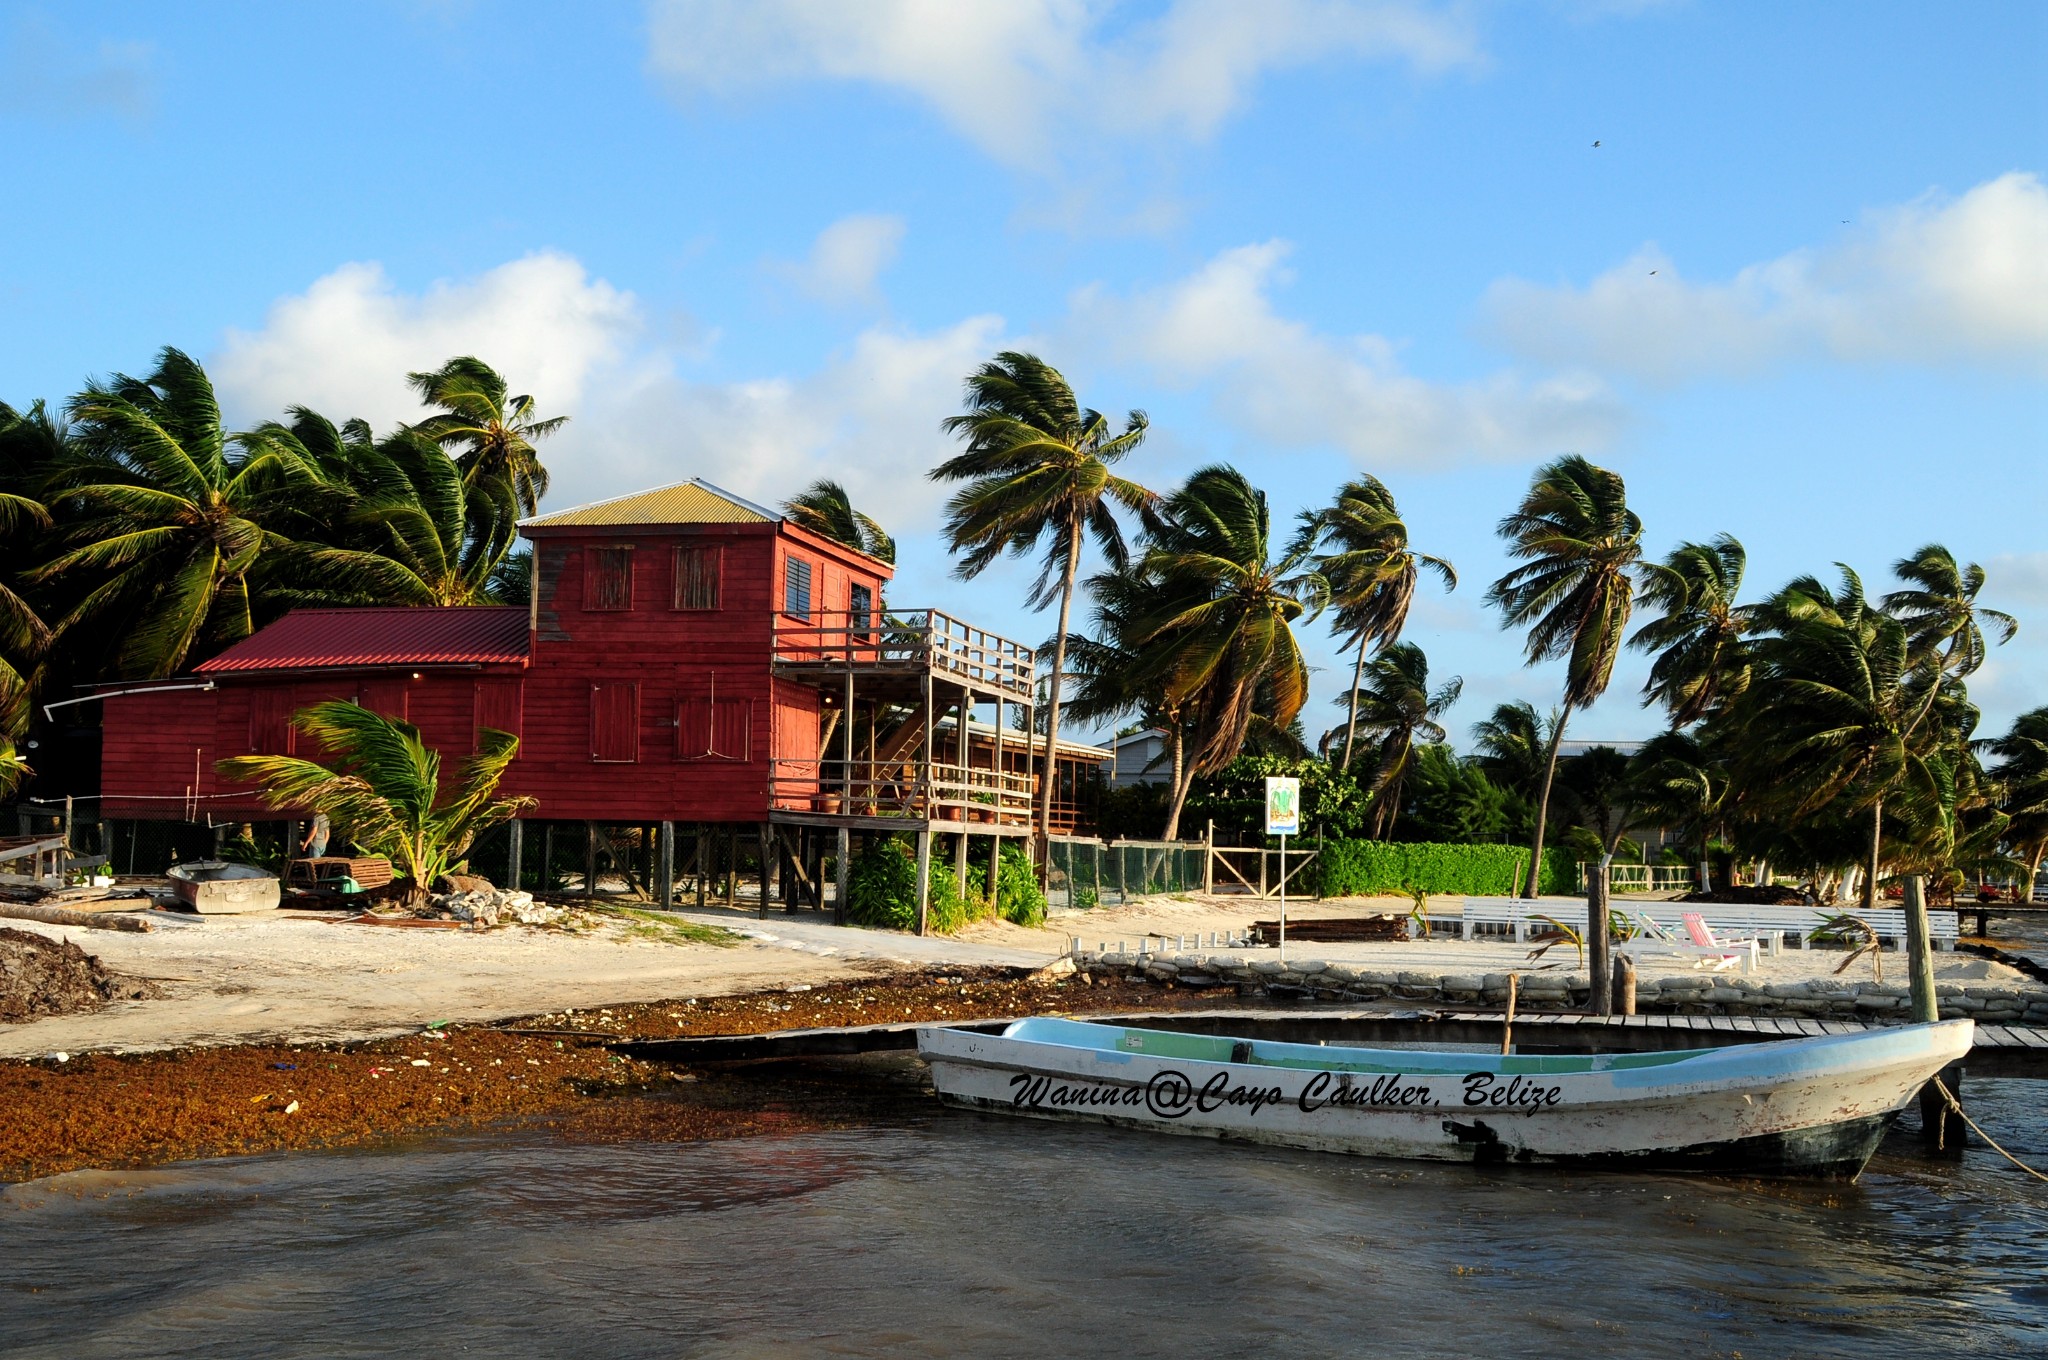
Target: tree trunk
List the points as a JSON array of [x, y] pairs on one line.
[[1179, 788], [1351, 724], [1052, 706], [1543, 808], [1876, 844]]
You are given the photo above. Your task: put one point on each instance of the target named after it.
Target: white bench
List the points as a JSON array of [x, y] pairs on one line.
[[1796, 923]]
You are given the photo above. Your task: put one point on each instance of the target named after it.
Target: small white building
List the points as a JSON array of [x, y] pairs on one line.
[[1138, 758]]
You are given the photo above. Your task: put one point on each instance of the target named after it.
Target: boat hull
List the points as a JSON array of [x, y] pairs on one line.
[[218, 888], [1813, 1107]]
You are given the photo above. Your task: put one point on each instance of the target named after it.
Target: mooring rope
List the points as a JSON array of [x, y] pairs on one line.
[[1957, 1106]]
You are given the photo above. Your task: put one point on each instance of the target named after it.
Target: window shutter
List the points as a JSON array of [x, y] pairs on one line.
[[498, 704], [796, 587], [698, 576], [270, 722], [615, 722], [608, 578], [385, 696], [714, 729]]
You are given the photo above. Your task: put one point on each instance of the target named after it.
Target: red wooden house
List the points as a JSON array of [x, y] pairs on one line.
[[687, 658]]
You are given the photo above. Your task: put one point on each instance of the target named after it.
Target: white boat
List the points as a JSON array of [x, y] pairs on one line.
[[215, 887], [1801, 1107]]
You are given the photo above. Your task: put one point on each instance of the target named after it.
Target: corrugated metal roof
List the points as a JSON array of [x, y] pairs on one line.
[[693, 502], [309, 639]]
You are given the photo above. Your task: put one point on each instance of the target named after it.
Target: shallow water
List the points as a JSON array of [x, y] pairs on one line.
[[957, 1234]]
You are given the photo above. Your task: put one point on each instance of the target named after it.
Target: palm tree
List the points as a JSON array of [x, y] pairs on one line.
[[1836, 694], [1698, 639], [1944, 623], [2023, 770], [824, 508], [1580, 545], [1037, 468], [1512, 745], [493, 435], [1394, 705], [23, 634], [167, 515], [1679, 782], [1219, 641], [1362, 551], [1600, 789], [383, 790]]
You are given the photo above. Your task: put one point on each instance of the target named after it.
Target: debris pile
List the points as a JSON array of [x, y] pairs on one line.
[[487, 907], [41, 976]]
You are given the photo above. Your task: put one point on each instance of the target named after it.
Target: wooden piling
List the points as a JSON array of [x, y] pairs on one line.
[[1624, 985]]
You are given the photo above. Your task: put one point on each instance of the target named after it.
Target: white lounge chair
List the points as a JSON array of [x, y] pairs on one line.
[[1707, 953]]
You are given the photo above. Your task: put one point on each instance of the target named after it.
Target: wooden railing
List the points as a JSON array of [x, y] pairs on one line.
[[907, 640], [946, 793]]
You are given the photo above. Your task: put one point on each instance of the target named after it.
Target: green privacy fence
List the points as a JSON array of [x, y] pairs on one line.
[[1090, 873]]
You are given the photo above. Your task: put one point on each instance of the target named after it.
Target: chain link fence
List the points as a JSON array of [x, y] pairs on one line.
[[1089, 873]]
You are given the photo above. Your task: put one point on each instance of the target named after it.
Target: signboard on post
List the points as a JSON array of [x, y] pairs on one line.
[[1283, 806], [1283, 819]]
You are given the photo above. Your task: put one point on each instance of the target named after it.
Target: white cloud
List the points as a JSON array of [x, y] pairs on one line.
[[1934, 281], [848, 259], [1022, 78], [1281, 382], [44, 74], [868, 416], [344, 346]]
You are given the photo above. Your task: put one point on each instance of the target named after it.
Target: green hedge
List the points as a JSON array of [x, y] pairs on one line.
[[1375, 868]]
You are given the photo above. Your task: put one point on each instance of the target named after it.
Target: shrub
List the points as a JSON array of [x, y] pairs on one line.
[[881, 890], [1370, 868], [1018, 896]]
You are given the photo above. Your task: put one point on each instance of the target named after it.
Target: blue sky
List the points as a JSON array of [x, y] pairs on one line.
[[1798, 292]]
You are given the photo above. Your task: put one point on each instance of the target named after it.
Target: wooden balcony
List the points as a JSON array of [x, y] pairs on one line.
[[885, 795], [906, 643]]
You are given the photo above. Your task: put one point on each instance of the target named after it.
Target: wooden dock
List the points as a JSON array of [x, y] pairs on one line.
[[2000, 1050]]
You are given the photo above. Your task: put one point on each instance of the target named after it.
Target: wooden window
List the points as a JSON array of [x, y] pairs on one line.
[[860, 607], [615, 722], [608, 578], [498, 704], [385, 695], [796, 587], [715, 729], [270, 722], [698, 574]]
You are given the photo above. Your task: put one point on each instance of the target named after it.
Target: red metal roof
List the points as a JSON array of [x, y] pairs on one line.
[[309, 639]]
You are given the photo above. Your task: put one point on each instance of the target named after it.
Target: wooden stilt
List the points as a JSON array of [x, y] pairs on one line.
[[515, 842], [703, 863], [665, 869], [767, 860], [842, 870], [924, 880], [590, 859]]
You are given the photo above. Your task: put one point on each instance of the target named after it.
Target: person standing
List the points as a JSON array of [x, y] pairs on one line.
[[315, 844]]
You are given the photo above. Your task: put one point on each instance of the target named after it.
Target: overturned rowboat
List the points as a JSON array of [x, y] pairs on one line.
[[1797, 1107]]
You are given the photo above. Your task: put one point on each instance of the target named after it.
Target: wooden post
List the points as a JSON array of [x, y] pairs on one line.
[[841, 875], [1209, 859], [515, 842], [1624, 985], [924, 878], [1601, 1000], [732, 865], [590, 859], [703, 849], [665, 869], [547, 855], [1507, 1027], [1920, 953], [767, 860], [960, 862], [995, 874]]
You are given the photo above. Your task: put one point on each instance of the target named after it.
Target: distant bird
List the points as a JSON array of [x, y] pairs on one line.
[[1653, 271], [1596, 144]]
